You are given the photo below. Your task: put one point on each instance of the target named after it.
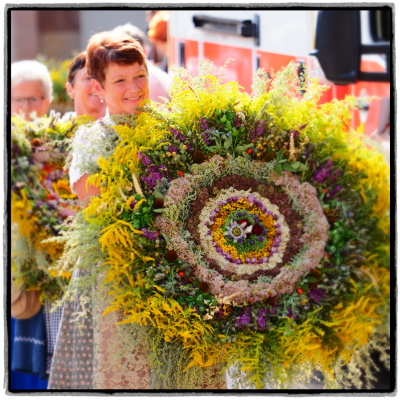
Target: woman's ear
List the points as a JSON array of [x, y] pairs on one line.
[[70, 90], [97, 88]]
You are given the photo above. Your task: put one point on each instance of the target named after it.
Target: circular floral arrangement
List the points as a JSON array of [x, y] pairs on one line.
[[248, 232], [236, 221], [41, 199]]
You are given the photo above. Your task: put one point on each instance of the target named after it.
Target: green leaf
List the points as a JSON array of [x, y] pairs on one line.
[[244, 148], [230, 115], [288, 167], [278, 169], [166, 238], [212, 148], [158, 195], [228, 142]]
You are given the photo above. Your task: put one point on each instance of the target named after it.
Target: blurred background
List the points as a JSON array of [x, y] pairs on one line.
[[348, 49], [61, 33]]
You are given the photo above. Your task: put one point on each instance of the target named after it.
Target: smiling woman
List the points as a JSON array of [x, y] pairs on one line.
[[79, 88], [86, 354], [90, 350], [125, 87], [120, 75]]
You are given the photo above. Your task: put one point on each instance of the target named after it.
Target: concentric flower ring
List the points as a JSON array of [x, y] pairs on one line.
[[246, 237]]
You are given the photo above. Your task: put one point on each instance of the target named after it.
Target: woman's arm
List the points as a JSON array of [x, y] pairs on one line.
[[84, 193]]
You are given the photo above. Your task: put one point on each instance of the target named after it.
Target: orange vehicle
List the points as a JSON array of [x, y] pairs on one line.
[[347, 49]]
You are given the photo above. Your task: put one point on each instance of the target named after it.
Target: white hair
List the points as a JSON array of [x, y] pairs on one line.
[[32, 70]]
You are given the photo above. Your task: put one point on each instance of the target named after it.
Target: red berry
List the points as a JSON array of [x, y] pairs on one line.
[[180, 173], [181, 273], [300, 291], [250, 300], [249, 151]]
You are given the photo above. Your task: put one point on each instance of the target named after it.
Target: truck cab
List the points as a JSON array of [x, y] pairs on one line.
[[349, 50]]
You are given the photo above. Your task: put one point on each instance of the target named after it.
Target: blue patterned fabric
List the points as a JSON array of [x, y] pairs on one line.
[[30, 346], [19, 380]]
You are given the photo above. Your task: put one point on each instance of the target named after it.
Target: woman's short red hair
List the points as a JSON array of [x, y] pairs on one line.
[[105, 48]]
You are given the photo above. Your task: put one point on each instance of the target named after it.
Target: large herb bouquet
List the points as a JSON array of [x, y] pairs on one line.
[[41, 200], [249, 232]]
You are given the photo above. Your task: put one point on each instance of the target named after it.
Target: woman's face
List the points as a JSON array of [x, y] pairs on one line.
[[124, 89], [86, 100], [28, 97]]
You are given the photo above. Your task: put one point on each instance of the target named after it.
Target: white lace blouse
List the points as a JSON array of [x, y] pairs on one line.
[[90, 142]]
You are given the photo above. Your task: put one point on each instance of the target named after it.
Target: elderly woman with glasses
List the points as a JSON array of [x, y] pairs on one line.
[[31, 89]]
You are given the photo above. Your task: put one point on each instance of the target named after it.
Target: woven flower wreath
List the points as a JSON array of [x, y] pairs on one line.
[[249, 232], [41, 199]]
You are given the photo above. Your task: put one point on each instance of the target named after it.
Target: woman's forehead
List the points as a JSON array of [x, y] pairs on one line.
[[114, 69]]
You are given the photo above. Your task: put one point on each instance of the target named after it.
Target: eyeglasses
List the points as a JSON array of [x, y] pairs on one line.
[[31, 100]]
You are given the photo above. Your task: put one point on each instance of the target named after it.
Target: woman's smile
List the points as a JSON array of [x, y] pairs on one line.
[[125, 88]]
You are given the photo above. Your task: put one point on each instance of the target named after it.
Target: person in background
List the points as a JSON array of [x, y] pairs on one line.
[[158, 35], [159, 80], [30, 354], [31, 89], [79, 88]]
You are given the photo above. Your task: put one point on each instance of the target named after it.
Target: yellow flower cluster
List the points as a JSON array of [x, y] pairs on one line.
[[62, 188]]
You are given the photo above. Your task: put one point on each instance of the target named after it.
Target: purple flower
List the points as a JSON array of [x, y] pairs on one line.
[[262, 317], [244, 318], [149, 234], [177, 134], [154, 173], [334, 190], [237, 122], [295, 133], [144, 159], [316, 294], [206, 138], [204, 124], [257, 132], [173, 149], [325, 173]]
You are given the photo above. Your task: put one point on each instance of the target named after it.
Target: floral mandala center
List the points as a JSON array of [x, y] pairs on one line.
[[245, 231]]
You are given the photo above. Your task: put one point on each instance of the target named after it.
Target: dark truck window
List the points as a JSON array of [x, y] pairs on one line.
[[380, 23]]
